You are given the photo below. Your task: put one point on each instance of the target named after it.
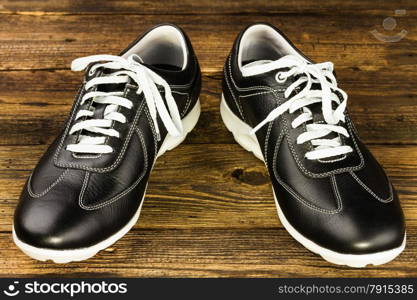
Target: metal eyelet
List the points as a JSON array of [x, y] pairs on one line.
[[279, 79]]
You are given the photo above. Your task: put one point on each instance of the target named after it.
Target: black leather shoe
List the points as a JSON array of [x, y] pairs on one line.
[[88, 188], [332, 196]]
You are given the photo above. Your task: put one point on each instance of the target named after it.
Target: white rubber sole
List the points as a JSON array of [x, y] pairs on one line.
[[240, 131], [66, 256]]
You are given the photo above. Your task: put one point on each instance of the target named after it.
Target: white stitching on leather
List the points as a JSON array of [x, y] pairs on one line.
[[117, 197], [67, 125], [293, 193], [391, 194], [266, 143], [333, 160], [45, 191], [85, 183], [336, 159], [237, 99], [119, 158], [285, 126], [154, 134], [257, 94], [255, 87], [89, 107], [187, 104], [336, 192], [128, 88], [238, 104], [75, 155], [324, 174]]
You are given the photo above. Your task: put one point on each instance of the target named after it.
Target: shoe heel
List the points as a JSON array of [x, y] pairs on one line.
[[240, 130]]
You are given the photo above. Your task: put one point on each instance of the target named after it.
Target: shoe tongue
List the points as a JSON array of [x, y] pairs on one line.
[[317, 111], [263, 62], [256, 63], [316, 108], [318, 118], [99, 108], [120, 87], [266, 65], [161, 69]]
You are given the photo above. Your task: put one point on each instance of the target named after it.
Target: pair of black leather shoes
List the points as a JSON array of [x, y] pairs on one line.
[[88, 188]]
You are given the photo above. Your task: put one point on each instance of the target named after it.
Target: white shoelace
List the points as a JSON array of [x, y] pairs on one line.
[[147, 82], [309, 74]]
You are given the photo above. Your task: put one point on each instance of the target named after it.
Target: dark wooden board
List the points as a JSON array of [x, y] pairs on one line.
[[209, 210], [210, 186], [186, 7], [35, 105], [50, 41], [259, 252]]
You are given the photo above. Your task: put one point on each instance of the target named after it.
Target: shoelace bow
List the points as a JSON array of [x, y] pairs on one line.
[[309, 74], [147, 82]]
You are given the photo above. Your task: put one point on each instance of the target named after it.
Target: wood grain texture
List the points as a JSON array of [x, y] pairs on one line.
[[47, 42], [263, 252], [381, 103], [209, 210], [208, 186], [186, 7]]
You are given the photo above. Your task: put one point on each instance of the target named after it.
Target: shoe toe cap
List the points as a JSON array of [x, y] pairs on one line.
[[48, 224]]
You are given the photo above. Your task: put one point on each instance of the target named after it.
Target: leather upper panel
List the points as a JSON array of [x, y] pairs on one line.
[[254, 90], [317, 192], [107, 162], [345, 204], [75, 201]]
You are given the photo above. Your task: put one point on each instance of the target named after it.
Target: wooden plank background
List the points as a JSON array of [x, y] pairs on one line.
[[209, 210]]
